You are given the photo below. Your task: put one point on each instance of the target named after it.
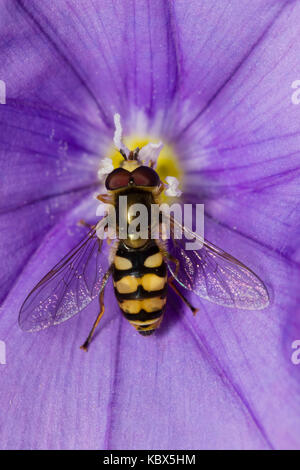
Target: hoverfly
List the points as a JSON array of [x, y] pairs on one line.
[[141, 269]]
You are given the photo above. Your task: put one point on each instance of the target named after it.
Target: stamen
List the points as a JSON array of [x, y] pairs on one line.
[[172, 189], [150, 153], [118, 136], [106, 167]]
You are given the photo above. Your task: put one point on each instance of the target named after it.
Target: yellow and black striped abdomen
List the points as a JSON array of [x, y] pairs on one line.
[[140, 282]]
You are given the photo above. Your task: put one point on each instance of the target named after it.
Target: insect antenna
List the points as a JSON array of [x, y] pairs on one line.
[[133, 155], [123, 154]]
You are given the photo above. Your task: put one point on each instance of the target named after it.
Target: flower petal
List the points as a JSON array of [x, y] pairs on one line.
[[214, 41], [36, 368], [48, 163], [243, 150], [115, 71], [224, 379], [228, 372]]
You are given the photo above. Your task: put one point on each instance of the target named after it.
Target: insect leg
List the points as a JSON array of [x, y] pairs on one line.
[[175, 289], [185, 300], [161, 188], [86, 344], [83, 223], [105, 198], [175, 261]]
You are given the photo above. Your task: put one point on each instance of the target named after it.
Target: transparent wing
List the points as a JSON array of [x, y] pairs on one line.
[[68, 288], [215, 275]]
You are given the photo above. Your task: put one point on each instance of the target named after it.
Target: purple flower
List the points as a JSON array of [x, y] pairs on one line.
[[213, 81]]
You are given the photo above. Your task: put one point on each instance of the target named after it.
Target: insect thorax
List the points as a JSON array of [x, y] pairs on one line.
[[129, 216]]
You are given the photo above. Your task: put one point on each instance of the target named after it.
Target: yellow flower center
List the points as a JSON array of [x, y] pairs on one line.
[[167, 163]]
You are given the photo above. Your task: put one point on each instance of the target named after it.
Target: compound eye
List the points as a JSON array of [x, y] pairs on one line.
[[119, 178], [145, 176]]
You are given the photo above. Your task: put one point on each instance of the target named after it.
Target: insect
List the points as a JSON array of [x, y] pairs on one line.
[[142, 269]]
